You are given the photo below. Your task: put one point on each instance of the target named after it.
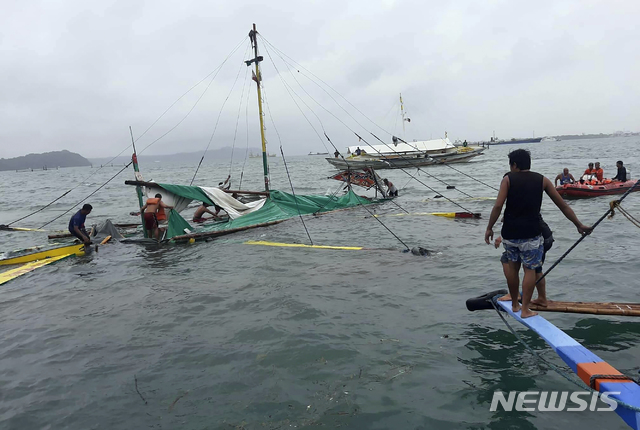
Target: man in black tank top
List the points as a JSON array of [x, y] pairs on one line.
[[521, 234]]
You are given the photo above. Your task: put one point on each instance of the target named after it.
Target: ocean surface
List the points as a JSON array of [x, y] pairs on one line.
[[224, 335]]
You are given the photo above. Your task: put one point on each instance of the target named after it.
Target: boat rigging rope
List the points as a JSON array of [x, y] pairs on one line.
[[555, 368], [289, 91], [95, 191], [220, 114], [284, 161], [418, 167], [615, 204], [235, 133], [129, 145], [609, 211], [418, 180], [246, 151], [316, 78], [353, 131]]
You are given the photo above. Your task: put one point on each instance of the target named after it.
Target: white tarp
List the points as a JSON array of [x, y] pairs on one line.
[[233, 207]]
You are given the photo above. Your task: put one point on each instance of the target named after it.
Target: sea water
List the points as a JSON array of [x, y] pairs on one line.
[[224, 335]]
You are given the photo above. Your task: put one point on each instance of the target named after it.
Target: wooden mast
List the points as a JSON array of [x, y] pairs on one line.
[[253, 35], [134, 160]]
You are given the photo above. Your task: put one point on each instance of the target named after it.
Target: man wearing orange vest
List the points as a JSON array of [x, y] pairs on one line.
[[599, 172], [590, 170], [153, 210]]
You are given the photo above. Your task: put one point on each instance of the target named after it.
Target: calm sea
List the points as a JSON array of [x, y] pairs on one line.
[[223, 335]]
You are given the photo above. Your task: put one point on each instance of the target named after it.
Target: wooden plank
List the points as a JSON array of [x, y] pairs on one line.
[[623, 309], [40, 255], [28, 267], [216, 233]]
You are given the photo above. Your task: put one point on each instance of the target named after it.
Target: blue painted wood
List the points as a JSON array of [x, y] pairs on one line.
[[573, 353]]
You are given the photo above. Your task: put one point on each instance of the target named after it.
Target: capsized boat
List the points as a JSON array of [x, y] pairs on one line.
[[586, 189], [591, 369], [270, 207]]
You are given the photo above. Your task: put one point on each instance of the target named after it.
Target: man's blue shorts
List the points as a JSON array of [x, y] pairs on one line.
[[528, 251]]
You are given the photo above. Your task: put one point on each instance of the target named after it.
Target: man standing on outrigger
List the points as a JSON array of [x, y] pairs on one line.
[[522, 239]]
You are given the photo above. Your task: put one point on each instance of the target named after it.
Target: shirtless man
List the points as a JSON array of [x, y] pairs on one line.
[[392, 191], [150, 218], [203, 209], [522, 191]]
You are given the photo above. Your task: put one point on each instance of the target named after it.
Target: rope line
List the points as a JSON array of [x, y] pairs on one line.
[[235, 133], [353, 131], [219, 115], [615, 204], [282, 54], [284, 161], [610, 210], [95, 191]]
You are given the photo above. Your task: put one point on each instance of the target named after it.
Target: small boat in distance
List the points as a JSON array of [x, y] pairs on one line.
[[318, 153]]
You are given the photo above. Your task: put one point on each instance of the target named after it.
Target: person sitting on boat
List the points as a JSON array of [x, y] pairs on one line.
[[76, 224], [622, 173], [598, 172], [565, 177], [590, 171], [226, 184], [392, 191], [203, 209], [150, 210], [336, 154], [358, 151], [522, 191]]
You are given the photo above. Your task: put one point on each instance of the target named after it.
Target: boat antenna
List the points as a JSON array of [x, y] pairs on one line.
[[258, 77]]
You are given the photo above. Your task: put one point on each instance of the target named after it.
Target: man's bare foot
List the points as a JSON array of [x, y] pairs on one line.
[[526, 313], [539, 302], [515, 306]]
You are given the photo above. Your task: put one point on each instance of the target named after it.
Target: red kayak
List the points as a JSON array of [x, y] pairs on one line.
[[580, 190]]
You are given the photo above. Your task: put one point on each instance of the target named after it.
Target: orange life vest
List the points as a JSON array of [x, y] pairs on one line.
[[160, 214]]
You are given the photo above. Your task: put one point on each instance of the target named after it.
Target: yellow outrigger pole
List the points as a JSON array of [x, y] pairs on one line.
[[253, 35]]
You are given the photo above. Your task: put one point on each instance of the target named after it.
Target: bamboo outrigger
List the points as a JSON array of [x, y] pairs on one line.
[[596, 374]]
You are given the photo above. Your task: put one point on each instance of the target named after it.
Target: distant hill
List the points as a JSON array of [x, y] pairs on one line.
[[49, 160], [594, 136], [183, 157]]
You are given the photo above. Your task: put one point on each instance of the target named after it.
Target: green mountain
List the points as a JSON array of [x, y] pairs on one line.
[[49, 160]]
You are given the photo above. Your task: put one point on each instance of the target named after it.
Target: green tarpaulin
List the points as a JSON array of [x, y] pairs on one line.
[[279, 206]]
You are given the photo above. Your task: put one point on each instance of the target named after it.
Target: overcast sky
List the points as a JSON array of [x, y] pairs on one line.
[[76, 74]]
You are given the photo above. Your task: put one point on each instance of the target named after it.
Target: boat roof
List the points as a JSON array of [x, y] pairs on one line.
[[417, 146]]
